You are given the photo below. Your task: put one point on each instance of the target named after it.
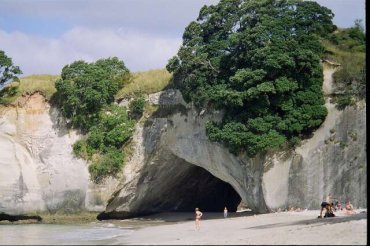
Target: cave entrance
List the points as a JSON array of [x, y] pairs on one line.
[[196, 187]]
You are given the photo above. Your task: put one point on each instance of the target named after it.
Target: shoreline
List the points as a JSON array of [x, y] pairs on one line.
[[56, 218]]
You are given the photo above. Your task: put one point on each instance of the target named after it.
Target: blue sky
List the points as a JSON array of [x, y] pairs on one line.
[[44, 35]]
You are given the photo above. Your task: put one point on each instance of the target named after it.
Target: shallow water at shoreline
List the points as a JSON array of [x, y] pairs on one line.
[[92, 233]]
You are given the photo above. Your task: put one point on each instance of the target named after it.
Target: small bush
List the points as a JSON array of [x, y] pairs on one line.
[[294, 141], [137, 106], [80, 149], [342, 144], [332, 130], [344, 101], [108, 164]]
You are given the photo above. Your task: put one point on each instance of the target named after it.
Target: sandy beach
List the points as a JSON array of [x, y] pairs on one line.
[[294, 228]]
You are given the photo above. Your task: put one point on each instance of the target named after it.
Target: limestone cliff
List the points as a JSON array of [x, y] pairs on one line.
[[174, 166], [37, 169], [174, 156]]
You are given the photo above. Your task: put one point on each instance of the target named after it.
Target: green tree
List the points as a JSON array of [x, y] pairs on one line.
[[260, 61], [8, 72], [85, 88]]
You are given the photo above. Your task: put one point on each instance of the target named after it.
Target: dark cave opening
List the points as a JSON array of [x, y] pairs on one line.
[[194, 187], [180, 187]]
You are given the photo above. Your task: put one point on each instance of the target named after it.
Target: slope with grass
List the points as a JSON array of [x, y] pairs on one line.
[[146, 82], [42, 83]]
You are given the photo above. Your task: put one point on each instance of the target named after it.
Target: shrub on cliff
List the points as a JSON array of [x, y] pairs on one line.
[[260, 61], [85, 94], [137, 107]]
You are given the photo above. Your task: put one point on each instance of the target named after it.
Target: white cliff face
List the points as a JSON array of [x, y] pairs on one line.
[[38, 171], [174, 166], [332, 161]]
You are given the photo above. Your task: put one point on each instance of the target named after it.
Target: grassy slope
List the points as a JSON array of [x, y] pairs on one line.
[[146, 82], [43, 83], [142, 82]]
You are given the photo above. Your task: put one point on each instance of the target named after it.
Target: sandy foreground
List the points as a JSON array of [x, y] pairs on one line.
[[294, 228]]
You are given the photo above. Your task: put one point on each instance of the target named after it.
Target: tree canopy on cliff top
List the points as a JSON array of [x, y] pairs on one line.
[[85, 88], [85, 93], [260, 61]]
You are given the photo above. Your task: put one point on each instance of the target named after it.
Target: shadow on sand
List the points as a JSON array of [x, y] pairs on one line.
[[332, 220]]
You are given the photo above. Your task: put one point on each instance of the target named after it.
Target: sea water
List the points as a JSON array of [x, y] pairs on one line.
[[51, 234]]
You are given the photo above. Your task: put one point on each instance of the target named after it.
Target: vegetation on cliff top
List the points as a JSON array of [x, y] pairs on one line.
[[8, 71], [85, 93], [260, 61], [146, 82], [42, 83], [347, 47]]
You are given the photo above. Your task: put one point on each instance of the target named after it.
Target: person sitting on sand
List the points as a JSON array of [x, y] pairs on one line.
[[339, 206], [327, 205], [198, 215], [349, 208], [225, 212]]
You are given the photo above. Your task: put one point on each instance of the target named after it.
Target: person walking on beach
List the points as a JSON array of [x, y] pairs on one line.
[[198, 215], [225, 212]]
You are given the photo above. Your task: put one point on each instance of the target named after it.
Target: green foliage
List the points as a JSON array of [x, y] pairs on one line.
[[80, 149], [260, 61], [8, 72], [85, 88], [85, 93], [347, 47], [8, 94], [137, 106], [105, 140], [343, 101], [107, 165], [350, 39]]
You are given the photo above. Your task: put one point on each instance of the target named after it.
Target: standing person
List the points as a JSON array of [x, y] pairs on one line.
[[225, 212], [198, 215]]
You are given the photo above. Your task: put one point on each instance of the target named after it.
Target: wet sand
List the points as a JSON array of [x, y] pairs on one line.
[[245, 228]]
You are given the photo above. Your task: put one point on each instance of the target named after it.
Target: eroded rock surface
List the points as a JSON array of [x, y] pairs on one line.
[[38, 171]]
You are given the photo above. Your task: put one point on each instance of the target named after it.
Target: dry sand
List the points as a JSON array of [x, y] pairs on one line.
[[294, 228]]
